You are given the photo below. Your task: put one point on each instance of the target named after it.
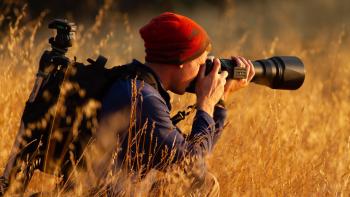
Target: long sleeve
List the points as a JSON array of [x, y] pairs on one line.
[[154, 142]]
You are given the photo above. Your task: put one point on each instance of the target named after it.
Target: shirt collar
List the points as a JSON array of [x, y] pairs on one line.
[[159, 84]]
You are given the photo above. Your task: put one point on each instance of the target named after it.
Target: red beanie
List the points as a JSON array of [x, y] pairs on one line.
[[173, 39]]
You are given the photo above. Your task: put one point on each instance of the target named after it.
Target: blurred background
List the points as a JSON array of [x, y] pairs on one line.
[[226, 20], [276, 143]]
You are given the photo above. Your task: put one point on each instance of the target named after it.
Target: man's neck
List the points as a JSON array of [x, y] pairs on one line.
[[161, 73]]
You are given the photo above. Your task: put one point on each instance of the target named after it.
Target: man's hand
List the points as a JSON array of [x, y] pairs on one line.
[[234, 85], [210, 88]]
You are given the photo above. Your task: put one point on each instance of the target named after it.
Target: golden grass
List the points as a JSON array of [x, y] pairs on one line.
[[277, 143]]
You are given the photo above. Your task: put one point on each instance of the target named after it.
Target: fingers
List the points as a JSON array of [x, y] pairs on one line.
[[223, 76], [238, 61], [244, 63], [219, 78], [211, 58], [247, 67], [216, 67], [251, 74]]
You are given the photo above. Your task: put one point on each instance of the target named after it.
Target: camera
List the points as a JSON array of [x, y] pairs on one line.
[[278, 72]]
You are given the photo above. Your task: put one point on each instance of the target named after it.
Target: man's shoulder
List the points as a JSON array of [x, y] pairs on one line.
[[126, 88], [122, 91]]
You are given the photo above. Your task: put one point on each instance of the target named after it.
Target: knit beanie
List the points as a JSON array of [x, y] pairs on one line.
[[173, 39]]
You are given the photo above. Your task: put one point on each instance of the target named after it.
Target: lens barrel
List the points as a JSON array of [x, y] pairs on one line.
[[280, 72]]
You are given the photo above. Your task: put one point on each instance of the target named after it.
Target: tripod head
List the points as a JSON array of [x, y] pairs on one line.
[[65, 34]]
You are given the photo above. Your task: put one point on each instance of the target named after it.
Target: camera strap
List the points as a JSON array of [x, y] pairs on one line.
[[181, 115]]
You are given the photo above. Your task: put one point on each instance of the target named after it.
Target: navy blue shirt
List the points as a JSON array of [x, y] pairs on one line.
[[152, 141]]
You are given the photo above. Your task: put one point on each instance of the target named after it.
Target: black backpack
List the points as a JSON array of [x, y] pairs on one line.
[[59, 123]]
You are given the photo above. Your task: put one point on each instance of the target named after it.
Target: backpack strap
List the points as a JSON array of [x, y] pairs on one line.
[[139, 71]]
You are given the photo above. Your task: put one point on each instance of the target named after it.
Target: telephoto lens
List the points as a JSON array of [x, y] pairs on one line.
[[279, 72]]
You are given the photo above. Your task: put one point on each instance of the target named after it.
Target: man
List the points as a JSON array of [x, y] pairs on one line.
[[176, 51]]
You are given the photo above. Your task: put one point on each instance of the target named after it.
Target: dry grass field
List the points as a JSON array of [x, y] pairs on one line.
[[276, 143]]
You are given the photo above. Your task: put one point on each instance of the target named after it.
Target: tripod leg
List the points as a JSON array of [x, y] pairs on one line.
[[26, 156]]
